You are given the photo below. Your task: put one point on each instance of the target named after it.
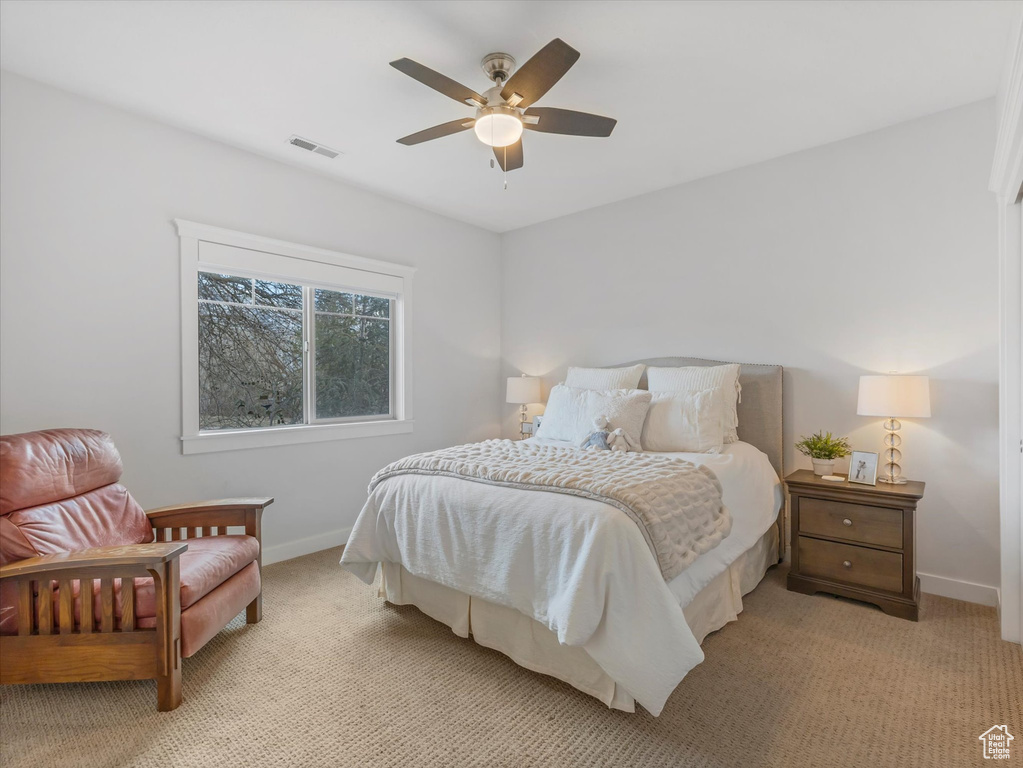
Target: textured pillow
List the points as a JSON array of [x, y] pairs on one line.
[[566, 416], [685, 421], [624, 409], [694, 378], [605, 378], [570, 413]]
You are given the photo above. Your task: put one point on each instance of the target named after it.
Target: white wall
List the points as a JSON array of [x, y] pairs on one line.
[[869, 255], [90, 313], [872, 254]]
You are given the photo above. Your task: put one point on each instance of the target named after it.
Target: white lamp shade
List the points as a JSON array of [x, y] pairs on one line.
[[523, 389], [895, 396]]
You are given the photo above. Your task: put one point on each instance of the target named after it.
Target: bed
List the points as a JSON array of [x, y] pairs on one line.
[[527, 574]]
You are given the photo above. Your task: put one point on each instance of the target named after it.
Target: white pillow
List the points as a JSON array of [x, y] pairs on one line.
[[564, 417], [685, 421], [570, 413], [694, 378], [624, 409], [605, 378]]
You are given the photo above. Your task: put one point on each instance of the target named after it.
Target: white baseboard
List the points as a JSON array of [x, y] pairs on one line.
[[306, 546], [958, 590]]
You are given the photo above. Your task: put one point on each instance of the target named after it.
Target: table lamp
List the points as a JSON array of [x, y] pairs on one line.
[[890, 396], [523, 390]]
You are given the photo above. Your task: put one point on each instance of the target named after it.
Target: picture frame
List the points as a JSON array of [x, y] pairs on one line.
[[863, 468]]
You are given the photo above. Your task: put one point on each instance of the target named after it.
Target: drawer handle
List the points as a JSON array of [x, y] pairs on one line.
[[847, 564], [847, 521]]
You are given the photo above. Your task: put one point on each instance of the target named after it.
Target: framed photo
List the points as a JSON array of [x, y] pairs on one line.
[[863, 468]]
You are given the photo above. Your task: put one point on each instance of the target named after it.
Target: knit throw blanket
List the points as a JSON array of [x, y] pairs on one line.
[[675, 503]]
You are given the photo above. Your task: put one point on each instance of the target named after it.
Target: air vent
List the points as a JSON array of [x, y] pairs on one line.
[[312, 146]]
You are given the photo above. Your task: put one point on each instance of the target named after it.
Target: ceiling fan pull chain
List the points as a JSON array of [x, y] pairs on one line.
[[505, 169]]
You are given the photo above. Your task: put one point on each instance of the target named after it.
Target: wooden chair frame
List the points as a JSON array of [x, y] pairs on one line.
[[51, 649]]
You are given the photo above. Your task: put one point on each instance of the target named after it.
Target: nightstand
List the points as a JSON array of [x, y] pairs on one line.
[[857, 541]]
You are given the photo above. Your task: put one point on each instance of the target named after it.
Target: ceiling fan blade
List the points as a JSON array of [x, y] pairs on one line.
[[438, 131], [538, 75], [565, 121], [513, 154], [437, 81]]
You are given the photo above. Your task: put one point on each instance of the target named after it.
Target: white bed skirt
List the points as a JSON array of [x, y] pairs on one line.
[[530, 644]]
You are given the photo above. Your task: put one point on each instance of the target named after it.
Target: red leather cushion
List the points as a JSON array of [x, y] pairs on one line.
[[210, 615], [103, 517], [207, 564], [13, 544], [204, 566], [38, 468]]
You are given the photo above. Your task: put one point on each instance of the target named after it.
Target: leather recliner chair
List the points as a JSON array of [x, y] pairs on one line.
[[161, 583]]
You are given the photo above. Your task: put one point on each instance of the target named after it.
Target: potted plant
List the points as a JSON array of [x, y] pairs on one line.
[[823, 450]]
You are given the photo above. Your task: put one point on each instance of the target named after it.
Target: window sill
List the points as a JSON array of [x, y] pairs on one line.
[[236, 440]]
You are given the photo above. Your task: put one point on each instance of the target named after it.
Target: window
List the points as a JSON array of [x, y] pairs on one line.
[[283, 343], [250, 352]]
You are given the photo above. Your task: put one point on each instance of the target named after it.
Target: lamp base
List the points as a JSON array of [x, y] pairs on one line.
[[892, 454]]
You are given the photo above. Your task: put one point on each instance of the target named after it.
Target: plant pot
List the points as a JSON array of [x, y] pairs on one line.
[[823, 466]]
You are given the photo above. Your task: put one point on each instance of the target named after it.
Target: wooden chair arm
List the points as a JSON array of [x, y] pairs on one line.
[[131, 556], [204, 514], [216, 505]]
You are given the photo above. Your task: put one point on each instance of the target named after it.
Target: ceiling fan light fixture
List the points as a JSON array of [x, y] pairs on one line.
[[498, 126]]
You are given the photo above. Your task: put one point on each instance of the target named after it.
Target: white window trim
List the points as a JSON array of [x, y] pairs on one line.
[[191, 234]]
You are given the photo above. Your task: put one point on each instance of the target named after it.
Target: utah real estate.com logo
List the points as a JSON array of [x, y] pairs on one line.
[[995, 741]]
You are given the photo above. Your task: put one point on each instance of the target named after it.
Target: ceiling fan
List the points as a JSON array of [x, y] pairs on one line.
[[502, 112]]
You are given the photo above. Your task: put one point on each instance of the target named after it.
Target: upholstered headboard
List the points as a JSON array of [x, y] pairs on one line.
[[760, 412]]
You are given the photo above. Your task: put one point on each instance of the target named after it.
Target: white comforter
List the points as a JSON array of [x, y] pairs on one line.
[[578, 566]]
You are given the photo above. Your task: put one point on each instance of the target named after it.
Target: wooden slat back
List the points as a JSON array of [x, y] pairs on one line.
[[44, 606], [106, 598], [85, 595], [25, 618], [190, 532], [127, 605], [212, 517], [67, 607]]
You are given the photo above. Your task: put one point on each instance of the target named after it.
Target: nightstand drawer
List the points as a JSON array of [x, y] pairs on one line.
[[850, 564], [853, 522]]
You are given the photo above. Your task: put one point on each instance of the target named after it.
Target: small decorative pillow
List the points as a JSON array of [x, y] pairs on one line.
[[625, 411], [685, 421], [695, 378], [605, 378], [570, 413]]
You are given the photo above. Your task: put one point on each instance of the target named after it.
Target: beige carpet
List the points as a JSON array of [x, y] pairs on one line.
[[335, 677]]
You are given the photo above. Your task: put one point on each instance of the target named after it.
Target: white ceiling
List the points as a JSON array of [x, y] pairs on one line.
[[697, 87]]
